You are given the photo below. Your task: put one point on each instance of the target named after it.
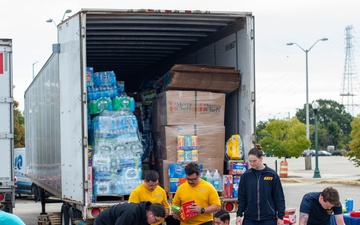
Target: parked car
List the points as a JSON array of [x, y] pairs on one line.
[[311, 152], [337, 153], [324, 153]]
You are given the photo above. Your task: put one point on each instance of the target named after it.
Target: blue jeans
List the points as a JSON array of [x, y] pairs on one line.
[[263, 222]]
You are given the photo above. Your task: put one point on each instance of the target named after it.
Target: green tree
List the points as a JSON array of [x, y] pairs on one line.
[[284, 138], [354, 154], [259, 127], [332, 117], [19, 127]]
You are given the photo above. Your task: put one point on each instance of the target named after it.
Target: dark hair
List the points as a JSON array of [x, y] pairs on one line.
[[151, 175], [256, 151], [157, 209], [191, 168], [222, 215], [331, 195]]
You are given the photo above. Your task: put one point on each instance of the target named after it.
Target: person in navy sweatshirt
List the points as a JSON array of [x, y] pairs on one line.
[[261, 199], [142, 213]]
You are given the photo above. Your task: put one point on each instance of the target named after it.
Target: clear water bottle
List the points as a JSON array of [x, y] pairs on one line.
[[217, 180]]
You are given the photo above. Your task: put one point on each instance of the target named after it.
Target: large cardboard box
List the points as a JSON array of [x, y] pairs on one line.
[[211, 141], [202, 78], [177, 107], [188, 107], [210, 108]]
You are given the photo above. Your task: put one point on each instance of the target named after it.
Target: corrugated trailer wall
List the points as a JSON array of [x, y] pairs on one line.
[[43, 140], [7, 186]]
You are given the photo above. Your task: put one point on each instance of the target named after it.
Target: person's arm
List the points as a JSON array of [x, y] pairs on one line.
[[303, 220], [208, 209], [339, 218], [165, 203], [176, 201], [239, 220], [280, 221]]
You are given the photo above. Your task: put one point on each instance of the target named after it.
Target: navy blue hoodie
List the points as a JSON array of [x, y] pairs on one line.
[[125, 213], [261, 197]]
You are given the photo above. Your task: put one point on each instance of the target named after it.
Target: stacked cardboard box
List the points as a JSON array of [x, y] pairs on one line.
[[183, 113], [202, 78]]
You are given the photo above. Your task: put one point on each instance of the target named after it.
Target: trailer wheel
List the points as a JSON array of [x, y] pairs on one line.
[[35, 190], [73, 215], [64, 214]]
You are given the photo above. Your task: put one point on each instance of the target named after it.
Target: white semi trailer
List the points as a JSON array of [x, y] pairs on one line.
[[7, 183], [136, 45]]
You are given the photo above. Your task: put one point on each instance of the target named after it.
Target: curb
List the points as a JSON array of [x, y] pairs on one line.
[[301, 180], [348, 182]]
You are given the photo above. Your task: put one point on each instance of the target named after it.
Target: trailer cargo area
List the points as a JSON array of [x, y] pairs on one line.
[[140, 47]]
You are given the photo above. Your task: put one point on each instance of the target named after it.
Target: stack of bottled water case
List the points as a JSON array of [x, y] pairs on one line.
[[117, 153], [104, 89]]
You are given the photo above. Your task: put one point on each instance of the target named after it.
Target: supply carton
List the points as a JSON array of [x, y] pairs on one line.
[[176, 107], [211, 141], [236, 167], [203, 77], [228, 186], [210, 108]]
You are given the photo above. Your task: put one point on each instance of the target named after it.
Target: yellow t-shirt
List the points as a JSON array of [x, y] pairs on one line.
[[141, 193], [204, 195]]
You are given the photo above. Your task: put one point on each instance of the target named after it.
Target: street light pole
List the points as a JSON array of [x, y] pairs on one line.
[[67, 11], [33, 75], [307, 91], [315, 106]]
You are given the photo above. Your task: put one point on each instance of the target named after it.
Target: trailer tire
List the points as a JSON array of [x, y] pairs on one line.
[[73, 214], [64, 214], [35, 190]]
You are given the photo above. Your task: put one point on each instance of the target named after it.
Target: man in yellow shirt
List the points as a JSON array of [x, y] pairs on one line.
[[206, 198], [150, 190]]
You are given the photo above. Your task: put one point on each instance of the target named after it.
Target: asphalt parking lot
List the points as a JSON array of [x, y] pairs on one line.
[[336, 171]]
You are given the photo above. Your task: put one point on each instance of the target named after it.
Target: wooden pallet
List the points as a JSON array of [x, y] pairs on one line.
[[55, 219]]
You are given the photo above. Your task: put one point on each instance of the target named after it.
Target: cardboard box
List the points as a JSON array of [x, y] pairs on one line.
[[186, 208], [176, 107], [236, 181], [174, 184], [236, 167], [228, 186], [188, 107], [210, 108], [211, 141], [203, 78], [176, 170], [212, 164], [162, 168]]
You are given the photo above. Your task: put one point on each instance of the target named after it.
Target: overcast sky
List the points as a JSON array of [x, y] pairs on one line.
[[280, 69]]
